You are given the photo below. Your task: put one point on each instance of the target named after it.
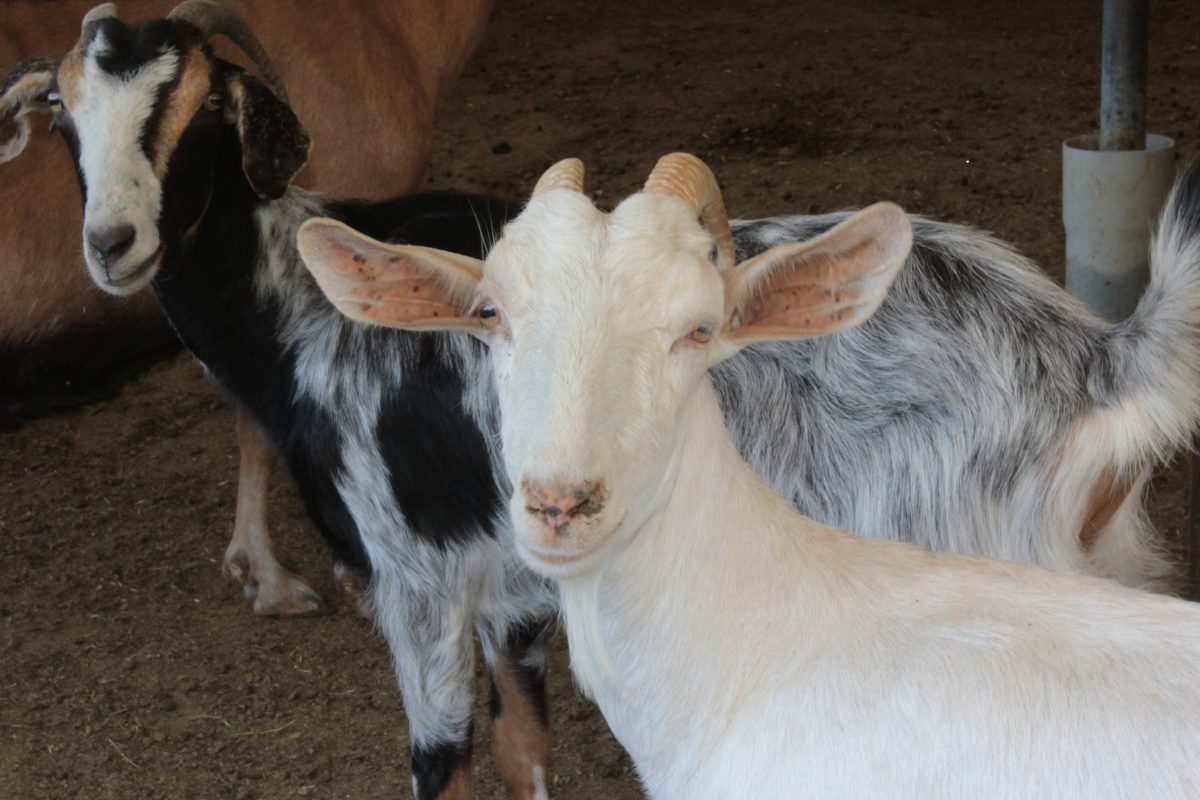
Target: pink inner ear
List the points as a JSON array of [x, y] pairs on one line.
[[390, 287], [367, 282], [812, 293], [814, 310]]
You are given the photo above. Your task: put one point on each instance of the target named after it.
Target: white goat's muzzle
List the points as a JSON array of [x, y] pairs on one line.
[[560, 524]]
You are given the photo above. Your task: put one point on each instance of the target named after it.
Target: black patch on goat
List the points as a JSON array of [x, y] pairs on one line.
[[153, 123], [461, 223], [210, 300], [127, 50], [70, 136], [188, 183], [435, 765], [437, 458], [312, 448]]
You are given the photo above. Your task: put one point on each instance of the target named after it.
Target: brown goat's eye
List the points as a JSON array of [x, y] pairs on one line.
[[214, 102], [489, 315], [702, 334], [54, 101]]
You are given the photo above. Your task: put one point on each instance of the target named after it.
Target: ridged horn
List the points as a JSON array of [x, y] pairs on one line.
[[684, 176], [212, 18], [566, 174]]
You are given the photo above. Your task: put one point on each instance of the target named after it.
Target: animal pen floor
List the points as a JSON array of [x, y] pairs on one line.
[[130, 669]]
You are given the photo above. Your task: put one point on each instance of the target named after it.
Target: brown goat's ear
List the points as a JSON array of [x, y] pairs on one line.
[[398, 286], [274, 144], [22, 91], [818, 287]]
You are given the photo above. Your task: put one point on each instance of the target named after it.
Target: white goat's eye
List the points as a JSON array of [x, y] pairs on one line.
[[54, 101], [698, 337], [490, 315], [214, 102]]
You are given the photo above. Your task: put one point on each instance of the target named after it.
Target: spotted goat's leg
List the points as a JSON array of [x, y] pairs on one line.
[[520, 724]]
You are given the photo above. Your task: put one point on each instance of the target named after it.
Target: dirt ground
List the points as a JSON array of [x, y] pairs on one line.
[[130, 669]]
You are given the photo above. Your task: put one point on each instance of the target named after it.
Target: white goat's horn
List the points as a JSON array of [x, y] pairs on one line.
[[102, 11], [566, 174], [684, 176]]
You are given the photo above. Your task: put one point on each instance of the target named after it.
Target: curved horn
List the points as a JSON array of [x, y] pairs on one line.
[[684, 176], [566, 174], [102, 11], [212, 18]]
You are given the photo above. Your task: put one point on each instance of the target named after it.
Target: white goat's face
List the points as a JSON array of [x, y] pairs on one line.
[[601, 328], [604, 324], [145, 112]]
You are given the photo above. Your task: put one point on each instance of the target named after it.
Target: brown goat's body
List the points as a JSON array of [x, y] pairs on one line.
[[365, 83]]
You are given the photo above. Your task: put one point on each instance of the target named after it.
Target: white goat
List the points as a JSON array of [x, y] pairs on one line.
[[736, 647]]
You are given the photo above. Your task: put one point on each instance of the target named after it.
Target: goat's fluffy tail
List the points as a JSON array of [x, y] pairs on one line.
[[1147, 386], [1156, 351]]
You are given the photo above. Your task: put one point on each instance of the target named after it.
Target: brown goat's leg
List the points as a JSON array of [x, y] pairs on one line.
[[520, 725], [273, 590]]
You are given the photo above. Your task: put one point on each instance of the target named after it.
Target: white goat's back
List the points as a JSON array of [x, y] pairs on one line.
[[879, 671]]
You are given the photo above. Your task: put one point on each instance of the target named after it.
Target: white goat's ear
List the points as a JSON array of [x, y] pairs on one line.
[[23, 90], [398, 286], [818, 287]]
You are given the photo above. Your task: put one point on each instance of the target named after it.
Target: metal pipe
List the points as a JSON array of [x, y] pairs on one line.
[[1123, 75]]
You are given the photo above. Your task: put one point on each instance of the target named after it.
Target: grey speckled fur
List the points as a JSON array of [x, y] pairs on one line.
[[975, 411]]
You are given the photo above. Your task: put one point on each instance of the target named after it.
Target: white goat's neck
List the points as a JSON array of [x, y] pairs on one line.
[[730, 639], [689, 586]]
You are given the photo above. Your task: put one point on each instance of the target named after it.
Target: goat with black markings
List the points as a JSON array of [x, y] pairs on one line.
[[982, 409], [57, 333], [185, 162], [924, 414], [736, 647]]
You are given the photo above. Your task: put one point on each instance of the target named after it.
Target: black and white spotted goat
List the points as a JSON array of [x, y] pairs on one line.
[[981, 405]]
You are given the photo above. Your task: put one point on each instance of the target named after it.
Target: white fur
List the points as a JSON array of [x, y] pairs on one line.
[[736, 647], [539, 784]]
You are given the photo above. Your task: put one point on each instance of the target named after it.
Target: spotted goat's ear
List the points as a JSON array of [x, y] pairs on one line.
[[24, 90], [274, 144], [393, 285]]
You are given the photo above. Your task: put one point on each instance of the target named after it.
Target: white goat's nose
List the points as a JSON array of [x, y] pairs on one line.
[[557, 504]]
